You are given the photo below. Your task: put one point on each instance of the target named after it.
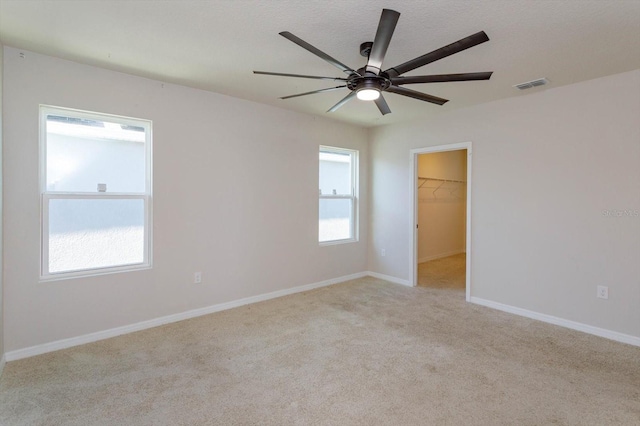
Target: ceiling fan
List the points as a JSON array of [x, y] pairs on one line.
[[368, 82]]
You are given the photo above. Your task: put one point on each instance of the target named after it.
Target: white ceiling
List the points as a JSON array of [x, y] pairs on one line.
[[215, 45]]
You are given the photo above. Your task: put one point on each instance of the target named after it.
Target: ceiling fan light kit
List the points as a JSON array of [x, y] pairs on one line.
[[367, 90], [368, 94], [368, 82]]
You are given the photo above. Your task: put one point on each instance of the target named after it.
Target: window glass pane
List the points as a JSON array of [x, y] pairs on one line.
[[335, 173], [335, 219], [90, 233], [83, 153]]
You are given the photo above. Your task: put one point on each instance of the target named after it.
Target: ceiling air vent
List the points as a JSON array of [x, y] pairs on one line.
[[530, 84]]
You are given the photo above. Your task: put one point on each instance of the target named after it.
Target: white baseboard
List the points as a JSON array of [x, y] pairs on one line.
[[389, 278], [601, 332], [106, 334], [440, 256], [3, 361]]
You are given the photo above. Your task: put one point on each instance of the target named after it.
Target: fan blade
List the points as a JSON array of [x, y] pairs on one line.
[[416, 95], [443, 52], [386, 27], [342, 102], [382, 105], [330, 89], [299, 76], [317, 52], [441, 78]]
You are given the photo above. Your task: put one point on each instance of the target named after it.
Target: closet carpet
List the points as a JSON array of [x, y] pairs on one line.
[[447, 272]]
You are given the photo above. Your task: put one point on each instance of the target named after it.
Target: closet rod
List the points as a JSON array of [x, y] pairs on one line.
[[442, 180]]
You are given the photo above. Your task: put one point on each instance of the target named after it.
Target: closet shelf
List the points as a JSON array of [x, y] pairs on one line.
[[425, 179], [439, 183]]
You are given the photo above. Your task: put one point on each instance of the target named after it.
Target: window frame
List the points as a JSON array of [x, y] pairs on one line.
[[46, 196], [354, 196]]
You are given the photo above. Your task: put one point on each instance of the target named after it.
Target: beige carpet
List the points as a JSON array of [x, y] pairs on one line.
[[364, 352], [448, 272]]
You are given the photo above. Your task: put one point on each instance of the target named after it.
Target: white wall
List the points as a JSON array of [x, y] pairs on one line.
[[545, 168], [1, 221], [441, 205], [235, 196]]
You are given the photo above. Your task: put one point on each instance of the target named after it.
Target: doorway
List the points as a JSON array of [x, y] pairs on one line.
[[441, 243]]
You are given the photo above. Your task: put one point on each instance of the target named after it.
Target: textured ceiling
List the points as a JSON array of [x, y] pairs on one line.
[[215, 45]]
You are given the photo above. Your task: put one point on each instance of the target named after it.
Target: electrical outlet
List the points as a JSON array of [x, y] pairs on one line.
[[383, 252], [603, 292], [197, 277]]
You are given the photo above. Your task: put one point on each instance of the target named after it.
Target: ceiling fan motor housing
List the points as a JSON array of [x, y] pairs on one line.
[[367, 80]]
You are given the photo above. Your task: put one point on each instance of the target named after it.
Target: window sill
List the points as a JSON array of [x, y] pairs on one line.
[[89, 273], [337, 242]]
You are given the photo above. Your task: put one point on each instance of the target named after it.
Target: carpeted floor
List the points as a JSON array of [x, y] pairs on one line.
[[365, 352], [448, 272]]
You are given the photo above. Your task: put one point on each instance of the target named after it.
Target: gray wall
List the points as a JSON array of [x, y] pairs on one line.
[[235, 196], [551, 172], [1, 221]]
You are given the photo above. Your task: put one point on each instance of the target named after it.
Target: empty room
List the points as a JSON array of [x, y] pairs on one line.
[[328, 213]]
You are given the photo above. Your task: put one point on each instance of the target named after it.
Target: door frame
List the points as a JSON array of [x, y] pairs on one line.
[[413, 267]]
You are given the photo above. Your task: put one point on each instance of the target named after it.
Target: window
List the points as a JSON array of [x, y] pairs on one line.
[[95, 189], [338, 195]]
